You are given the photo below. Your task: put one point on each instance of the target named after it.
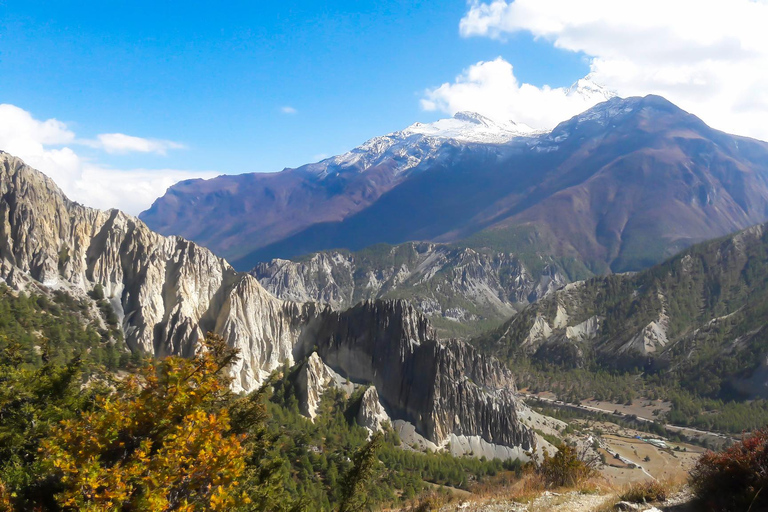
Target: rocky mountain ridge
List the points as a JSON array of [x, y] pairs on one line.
[[462, 290], [444, 389], [701, 318], [168, 292]]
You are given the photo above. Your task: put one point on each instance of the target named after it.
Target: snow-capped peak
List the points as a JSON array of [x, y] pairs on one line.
[[591, 90], [474, 118], [421, 141], [471, 127]]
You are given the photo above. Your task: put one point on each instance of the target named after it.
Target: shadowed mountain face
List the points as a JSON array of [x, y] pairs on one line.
[[621, 187]]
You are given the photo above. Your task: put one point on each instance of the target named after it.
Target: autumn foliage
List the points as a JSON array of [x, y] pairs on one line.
[[736, 478], [162, 441]]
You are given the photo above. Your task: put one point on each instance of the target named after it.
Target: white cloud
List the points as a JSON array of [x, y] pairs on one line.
[[132, 191], [119, 143], [708, 56], [42, 145], [288, 110], [491, 88], [20, 130]]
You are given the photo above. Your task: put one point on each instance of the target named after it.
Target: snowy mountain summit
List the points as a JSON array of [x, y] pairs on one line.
[[590, 90], [471, 127], [408, 147]]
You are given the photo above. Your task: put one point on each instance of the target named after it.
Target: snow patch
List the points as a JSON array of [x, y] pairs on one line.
[[472, 127]]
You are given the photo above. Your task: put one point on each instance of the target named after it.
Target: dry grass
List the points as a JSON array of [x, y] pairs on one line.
[[527, 489], [531, 485], [647, 492], [429, 502], [595, 485]]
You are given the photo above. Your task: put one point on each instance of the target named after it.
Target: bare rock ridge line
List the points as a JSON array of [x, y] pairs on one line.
[[456, 285], [168, 292]]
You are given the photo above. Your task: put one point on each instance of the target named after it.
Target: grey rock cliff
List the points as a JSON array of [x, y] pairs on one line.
[[371, 414], [455, 285], [167, 291], [443, 388], [313, 379]]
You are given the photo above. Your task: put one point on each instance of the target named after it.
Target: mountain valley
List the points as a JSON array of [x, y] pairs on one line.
[[517, 281], [364, 256]]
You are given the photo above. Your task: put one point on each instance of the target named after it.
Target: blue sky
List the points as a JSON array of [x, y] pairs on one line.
[[215, 76], [118, 100]]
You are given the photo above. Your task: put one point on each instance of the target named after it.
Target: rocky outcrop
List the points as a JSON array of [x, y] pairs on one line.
[[442, 388], [313, 379], [167, 291], [371, 414], [456, 285]]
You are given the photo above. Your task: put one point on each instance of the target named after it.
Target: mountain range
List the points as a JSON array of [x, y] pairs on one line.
[[516, 216], [167, 292], [619, 188], [462, 291], [699, 319]]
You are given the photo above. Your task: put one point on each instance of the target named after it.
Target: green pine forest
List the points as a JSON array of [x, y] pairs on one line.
[[61, 372]]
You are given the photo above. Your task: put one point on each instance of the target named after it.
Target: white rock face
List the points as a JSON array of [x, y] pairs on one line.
[[652, 338], [313, 379], [434, 277], [461, 445], [167, 291], [586, 330], [372, 414], [478, 447]]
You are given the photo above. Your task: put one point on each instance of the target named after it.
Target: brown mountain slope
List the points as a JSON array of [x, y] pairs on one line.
[[621, 187], [688, 184]]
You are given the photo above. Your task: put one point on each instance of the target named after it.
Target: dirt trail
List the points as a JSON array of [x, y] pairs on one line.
[[548, 501]]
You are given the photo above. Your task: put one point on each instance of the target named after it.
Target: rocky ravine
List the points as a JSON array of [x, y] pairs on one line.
[[168, 292], [454, 286]]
